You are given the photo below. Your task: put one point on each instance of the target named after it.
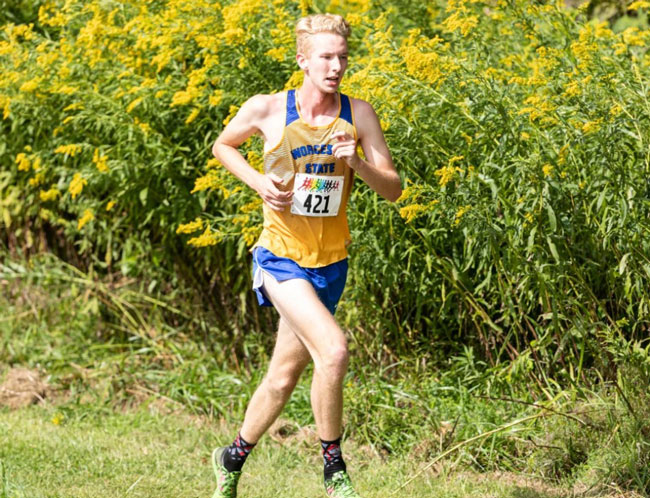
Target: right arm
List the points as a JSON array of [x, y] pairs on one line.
[[243, 125]]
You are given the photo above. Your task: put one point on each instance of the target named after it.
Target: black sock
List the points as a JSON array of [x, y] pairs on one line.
[[236, 454], [332, 457]]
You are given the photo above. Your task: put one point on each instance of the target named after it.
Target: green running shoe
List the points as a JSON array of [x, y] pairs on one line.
[[340, 486], [226, 481]]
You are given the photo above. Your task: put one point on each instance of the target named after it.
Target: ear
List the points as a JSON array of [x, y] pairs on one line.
[[302, 61]]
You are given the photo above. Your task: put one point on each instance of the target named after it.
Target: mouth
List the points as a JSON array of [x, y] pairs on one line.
[[333, 79]]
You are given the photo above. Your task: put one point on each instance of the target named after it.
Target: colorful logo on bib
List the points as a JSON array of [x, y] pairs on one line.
[[319, 185]]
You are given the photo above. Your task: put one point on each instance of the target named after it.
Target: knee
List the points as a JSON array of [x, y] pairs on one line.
[[335, 361], [282, 384]]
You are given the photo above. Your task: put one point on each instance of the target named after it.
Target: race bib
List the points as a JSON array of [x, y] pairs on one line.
[[315, 195]]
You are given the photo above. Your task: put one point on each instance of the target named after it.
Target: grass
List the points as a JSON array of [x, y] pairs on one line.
[[108, 353], [85, 452]]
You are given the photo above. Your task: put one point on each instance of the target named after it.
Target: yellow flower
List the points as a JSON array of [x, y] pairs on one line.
[[547, 169], [209, 181], [460, 213], [446, 174], [638, 5], [87, 217], [207, 238], [49, 195], [110, 205], [251, 234], [616, 110], [71, 150], [182, 97], [216, 97], [37, 180], [213, 163], [58, 418], [524, 136], [23, 162], [191, 227], [255, 160], [31, 85], [193, 115], [231, 114], [100, 161], [591, 126], [77, 185], [277, 53], [252, 206], [412, 211], [133, 104], [5, 104]]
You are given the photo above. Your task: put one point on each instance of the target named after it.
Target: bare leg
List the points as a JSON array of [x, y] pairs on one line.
[[290, 357], [316, 329]]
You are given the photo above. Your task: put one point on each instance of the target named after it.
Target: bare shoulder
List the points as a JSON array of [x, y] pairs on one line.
[[365, 118], [363, 109], [263, 106]]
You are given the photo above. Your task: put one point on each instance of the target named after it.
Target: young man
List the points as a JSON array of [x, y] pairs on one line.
[[300, 261]]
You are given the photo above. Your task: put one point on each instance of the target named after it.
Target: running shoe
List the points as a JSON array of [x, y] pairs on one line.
[[340, 486], [226, 481]]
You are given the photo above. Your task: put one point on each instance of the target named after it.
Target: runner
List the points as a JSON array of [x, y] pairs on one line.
[[300, 260]]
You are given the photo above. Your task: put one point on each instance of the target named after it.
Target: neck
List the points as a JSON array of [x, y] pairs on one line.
[[313, 102]]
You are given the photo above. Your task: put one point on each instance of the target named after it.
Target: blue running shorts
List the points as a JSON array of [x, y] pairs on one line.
[[328, 281]]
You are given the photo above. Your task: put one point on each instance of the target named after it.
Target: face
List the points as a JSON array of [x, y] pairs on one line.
[[326, 61]]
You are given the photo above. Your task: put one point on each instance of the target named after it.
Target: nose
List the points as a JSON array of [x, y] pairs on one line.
[[336, 64]]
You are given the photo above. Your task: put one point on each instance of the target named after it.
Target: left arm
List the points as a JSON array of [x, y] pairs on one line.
[[378, 171]]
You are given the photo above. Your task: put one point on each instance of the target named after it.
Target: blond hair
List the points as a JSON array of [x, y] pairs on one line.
[[319, 23]]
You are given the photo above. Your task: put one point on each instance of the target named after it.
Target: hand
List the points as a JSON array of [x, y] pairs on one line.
[[270, 189], [346, 148]]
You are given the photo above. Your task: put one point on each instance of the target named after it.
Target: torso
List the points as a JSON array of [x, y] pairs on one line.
[[314, 230], [271, 126]]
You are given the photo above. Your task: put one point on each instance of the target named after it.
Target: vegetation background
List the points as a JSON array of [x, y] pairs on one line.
[[498, 314]]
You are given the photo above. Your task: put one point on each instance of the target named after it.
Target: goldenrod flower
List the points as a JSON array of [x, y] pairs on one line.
[[5, 104], [412, 211], [23, 162], [49, 195], [71, 150], [547, 169], [87, 217], [110, 205], [209, 181], [133, 104], [207, 238], [251, 234], [100, 161], [181, 97], [638, 5], [31, 85], [446, 174], [460, 213], [77, 185], [191, 227], [277, 53], [215, 99], [591, 126], [193, 115]]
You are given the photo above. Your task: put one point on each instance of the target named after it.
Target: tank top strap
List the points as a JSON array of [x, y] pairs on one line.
[[346, 109], [292, 110]]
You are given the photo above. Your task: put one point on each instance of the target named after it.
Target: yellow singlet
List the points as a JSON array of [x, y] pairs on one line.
[[314, 230]]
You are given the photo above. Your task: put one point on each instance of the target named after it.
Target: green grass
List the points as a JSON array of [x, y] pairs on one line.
[[109, 352], [140, 453]]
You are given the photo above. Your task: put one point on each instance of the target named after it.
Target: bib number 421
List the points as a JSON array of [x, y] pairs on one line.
[[315, 195], [317, 204]]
